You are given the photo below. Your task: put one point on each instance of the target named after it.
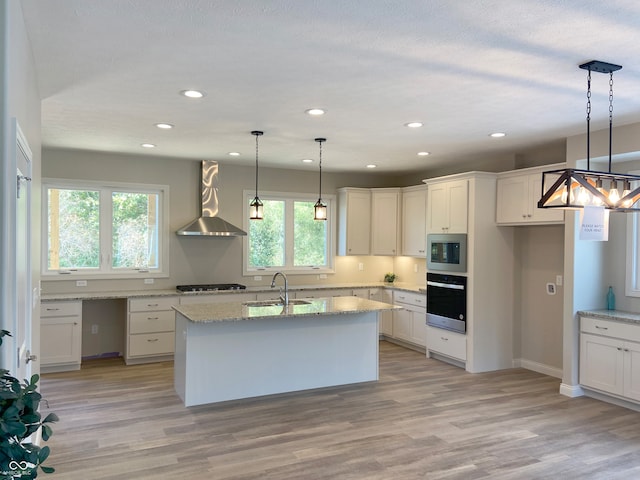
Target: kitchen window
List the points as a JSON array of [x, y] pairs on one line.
[[105, 231], [288, 238]]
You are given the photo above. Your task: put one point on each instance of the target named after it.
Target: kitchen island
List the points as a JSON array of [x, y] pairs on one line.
[[229, 351]]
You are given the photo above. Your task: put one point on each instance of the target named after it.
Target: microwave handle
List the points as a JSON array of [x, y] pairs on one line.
[[445, 285]]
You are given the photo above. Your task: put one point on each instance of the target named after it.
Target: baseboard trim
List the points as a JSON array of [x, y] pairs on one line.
[[571, 391], [537, 367]]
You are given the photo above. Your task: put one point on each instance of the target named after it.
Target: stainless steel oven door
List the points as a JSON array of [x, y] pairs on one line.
[[447, 302]]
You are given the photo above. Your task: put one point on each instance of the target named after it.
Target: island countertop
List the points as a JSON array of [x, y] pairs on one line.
[[238, 311]]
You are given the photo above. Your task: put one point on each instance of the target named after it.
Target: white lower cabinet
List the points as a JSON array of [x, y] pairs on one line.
[[150, 329], [409, 322], [444, 342], [610, 357], [385, 318], [61, 336]]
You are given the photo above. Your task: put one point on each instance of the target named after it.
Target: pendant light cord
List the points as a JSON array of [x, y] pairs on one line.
[[256, 165], [320, 187]]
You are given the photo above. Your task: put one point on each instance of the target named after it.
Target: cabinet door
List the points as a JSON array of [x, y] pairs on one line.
[[385, 207], [632, 370], [512, 193], [61, 340], [414, 223], [601, 363], [385, 318], [418, 328], [458, 197], [403, 325], [437, 208], [546, 215], [354, 225]]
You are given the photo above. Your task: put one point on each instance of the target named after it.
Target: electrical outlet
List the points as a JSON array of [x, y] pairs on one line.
[[81, 283], [257, 278], [415, 268], [149, 281], [361, 266], [322, 276], [94, 329]]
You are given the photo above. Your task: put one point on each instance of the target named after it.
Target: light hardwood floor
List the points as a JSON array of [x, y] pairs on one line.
[[422, 420]]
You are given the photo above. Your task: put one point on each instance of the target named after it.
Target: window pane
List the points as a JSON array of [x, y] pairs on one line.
[[309, 236], [266, 237], [73, 229], [135, 230]]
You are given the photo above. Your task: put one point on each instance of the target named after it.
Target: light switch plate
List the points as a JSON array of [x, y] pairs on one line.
[[559, 280]]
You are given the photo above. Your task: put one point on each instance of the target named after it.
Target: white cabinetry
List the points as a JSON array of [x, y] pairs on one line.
[[354, 221], [385, 318], [444, 342], [447, 206], [150, 329], [610, 357], [414, 221], [385, 221], [409, 322], [61, 334], [518, 195]]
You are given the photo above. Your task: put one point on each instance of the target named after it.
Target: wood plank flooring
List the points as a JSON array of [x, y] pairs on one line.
[[422, 420]]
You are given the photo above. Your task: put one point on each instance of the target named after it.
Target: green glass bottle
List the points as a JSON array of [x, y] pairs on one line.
[[611, 299]]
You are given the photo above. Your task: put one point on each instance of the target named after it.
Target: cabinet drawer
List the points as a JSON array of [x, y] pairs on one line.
[[151, 304], [609, 328], [151, 344], [60, 309], [447, 343], [150, 322], [416, 299]]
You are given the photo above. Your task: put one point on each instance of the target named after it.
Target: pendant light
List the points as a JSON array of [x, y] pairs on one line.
[[320, 209], [571, 188], [256, 211]]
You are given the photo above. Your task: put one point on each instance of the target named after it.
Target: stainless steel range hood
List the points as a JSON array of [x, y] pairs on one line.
[[209, 224]]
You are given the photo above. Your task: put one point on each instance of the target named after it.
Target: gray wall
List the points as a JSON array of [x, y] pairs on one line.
[[539, 253]]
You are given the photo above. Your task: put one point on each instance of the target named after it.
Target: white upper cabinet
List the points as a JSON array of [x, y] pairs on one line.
[[354, 221], [414, 221], [447, 206], [385, 221], [518, 194]]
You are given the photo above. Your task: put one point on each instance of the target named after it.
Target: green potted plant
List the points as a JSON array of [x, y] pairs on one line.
[[390, 277], [19, 419]]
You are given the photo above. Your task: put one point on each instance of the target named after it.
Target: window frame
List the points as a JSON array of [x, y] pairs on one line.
[[632, 275], [106, 270], [289, 268]]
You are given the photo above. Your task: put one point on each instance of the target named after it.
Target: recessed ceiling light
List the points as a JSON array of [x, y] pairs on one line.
[[371, 165], [315, 111], [234, 154], [164, 126], [498, 134], [147, 145], [413, 124], [423, 154], [192, 93], [307, 160]]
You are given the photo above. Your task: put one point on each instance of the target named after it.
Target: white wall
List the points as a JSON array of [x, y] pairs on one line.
[[20, 99]]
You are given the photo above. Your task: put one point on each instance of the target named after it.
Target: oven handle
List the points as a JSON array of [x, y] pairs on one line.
[[445, 285]]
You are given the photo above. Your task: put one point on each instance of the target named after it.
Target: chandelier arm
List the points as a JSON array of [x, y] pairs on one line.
[[564, 177]]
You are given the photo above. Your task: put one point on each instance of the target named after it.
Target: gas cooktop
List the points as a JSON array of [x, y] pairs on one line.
[[212, 287]]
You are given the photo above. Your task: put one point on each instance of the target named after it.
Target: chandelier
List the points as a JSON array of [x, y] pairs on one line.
[[571, 188]]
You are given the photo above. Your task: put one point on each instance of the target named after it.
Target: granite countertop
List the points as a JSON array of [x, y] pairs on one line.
[[237, 311], [615, 315], [407, 287]]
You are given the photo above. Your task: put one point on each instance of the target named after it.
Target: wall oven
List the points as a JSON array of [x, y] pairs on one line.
[[447, 252], [447, 301]]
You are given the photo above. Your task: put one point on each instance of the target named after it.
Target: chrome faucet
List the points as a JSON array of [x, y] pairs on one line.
[[283, 298]]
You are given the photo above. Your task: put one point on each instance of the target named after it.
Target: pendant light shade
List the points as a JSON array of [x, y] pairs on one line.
[[256, 208], [320, 209], [571, 188]]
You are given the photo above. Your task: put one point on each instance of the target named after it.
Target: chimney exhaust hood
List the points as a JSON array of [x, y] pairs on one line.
[[209, 224]]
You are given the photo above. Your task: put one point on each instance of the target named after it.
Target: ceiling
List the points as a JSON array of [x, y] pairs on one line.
[[109, 70]]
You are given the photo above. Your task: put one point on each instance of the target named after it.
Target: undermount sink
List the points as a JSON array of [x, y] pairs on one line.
[[274, 303]]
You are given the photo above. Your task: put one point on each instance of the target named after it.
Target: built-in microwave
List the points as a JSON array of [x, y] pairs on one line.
[[447, 252]]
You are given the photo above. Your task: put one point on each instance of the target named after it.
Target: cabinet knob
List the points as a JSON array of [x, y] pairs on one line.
[[601, 328], [529, 215], [444, 338], [152, 340], [153, 318], [152, 304], [619, 349]]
